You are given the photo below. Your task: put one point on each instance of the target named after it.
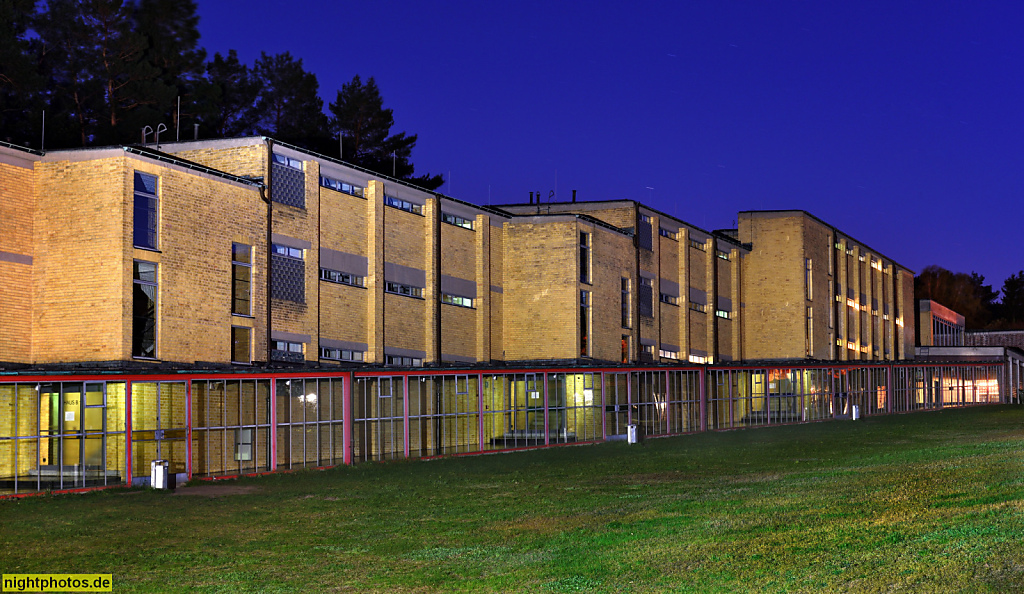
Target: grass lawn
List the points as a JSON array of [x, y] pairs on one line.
[[926, 502]]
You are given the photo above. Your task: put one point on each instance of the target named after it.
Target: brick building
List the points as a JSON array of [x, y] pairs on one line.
[[250, 251]]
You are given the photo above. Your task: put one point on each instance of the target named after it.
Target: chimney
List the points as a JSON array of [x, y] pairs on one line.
[[531, 197], [574, 196]]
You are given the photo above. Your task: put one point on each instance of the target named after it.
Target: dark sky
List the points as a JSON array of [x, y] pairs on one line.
[[898, 122]]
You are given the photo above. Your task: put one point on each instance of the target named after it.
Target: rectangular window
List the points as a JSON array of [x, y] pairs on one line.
[[341, 354], [625, 303], [666, 233], [402, 204], [584, 323], [698, 307], [831, 310], [809, 278], [342, 186], [810, 332], [724, 255], [698, 245], [644, 237], [144, 307], [457, 221], [287, 162], [456, 300], [646, 297], [669, 299], [664, 354], [625, 348], [284, 350], [145, 213], [289, 181], [698, 359], [398, 361], [647, 350], [241, 279], [241, 344], [400, 289], [584, 257], [287, 273], [723, 314], [343, 278]]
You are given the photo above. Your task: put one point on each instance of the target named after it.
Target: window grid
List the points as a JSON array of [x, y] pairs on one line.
[[457, 221], [456, 300], [341, 278], [342, 186], [402, 205], [400, 289]]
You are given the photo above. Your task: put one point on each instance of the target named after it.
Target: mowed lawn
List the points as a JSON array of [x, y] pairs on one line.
[[926, 502]]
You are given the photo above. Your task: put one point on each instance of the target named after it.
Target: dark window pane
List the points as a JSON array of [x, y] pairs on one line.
[[145, 221], [144, 321], [240, 342]]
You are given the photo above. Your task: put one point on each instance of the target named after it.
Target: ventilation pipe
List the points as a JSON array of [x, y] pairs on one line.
[[531, 197], [574, 196]]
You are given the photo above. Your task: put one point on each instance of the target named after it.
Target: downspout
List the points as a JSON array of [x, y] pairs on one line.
[[637, 348], [436, 230], [714, 306], [270, 234]]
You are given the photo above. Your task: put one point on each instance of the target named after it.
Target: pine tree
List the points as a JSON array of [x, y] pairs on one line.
[[21, 86], [288, 105], [227, 98], [358, 114]]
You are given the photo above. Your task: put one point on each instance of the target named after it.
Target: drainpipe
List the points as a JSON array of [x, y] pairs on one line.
[[637, 348]]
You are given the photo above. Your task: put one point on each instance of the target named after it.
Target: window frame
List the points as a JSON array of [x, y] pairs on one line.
[[153, 201], [353, 356], [236, 266], [402, 289], [456, 221], [457, 301], [248, 345], [342, 278], [136, 281]]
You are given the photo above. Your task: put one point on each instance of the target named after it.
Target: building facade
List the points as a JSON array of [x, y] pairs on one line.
[[250, 251]]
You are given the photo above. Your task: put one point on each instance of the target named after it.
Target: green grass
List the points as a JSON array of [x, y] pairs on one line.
[[930, 502]]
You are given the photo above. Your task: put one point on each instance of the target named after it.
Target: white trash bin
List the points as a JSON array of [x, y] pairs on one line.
[[632, 433], [855, 412], [158, 477]]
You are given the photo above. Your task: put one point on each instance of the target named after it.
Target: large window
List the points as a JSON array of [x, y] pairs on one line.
[[144, 310], [241, 279], [585, 323], [625, 303], [584, 257], [809, 277], [145, 213], [646, 297], [287, 273], [289, 186]]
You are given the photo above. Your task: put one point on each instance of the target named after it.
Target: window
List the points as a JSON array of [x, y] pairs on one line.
[[241, 344], [646, 297], [145, 215], [670, 299], [666, 233], [584, 257], [287, 162], [625, 303], [287, 273], [287, 346], [721, 313], [698, 307], [698, 245], [241, 279], [810, 331], [343, 187], [645, 240], [341, 354], [647, 350], [724, 255], [456, 300], [831, 310], [343, 278], [400, 361], [584, 323], [698, 359], [400, 289], [285, 350], [144, 305], [625, 348], [402, 205], [809, 277], [665, 354], [457, 221]]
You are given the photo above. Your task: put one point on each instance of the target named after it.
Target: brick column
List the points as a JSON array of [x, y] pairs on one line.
[[483, 287], [375, 272], [736, 259], [432, 292], [684, 294], [710, 261]]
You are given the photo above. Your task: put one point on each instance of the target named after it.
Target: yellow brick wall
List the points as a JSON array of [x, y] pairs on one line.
[[82, 262], [458, 331], [458, 251], [612, 260], [405, 238], [17, 209], [342, 312], [541, 296], [403, 322], [343, 223], [249, 160]]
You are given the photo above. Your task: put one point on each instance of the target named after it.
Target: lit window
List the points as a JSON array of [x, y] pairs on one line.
[[290, 252], [809, 277], [343, 278], [287, 162], [145, 211], [341, 354], [721, 313], [669, 299], [698, 359], [241, 279], [625, 303], [456, 300], [400, 289], [664, 354], [722, 254], [647, 349], [342, 186], [700, 245], [398, 361], [666, 233], [698, 307], [457, 221], [584, 257], [402, 205]]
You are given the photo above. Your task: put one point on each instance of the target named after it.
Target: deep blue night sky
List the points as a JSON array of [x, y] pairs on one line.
[[901, 126]]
